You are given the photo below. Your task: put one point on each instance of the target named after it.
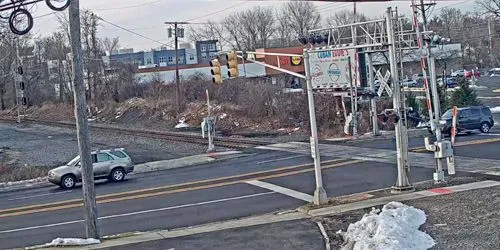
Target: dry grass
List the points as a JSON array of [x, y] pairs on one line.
[[11, 174]]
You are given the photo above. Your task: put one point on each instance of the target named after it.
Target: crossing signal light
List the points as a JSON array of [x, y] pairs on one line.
[[232, 64], [24, 101], [20, 70], [216, 71], [388, 116], [22, 85]]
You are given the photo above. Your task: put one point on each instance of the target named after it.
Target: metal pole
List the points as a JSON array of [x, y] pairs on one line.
[[90, 208], [492, 64], [402, 183], [211, 147], [320, 196], [439, 174], [18, 64], [354, 101], [373, 101], [177, 77]]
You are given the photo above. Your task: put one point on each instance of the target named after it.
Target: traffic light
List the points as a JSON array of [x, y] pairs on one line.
[[216, 71], [22, 86], [232, 64]]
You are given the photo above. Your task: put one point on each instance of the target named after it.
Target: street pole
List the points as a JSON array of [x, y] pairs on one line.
[[210, 123], [17, 90], [403, 183], [492, 63], [90, 207], [373, 101], [177, 77], [320, 196], [354, 98]]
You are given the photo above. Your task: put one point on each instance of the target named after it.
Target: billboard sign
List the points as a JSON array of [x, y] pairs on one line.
[[330, 69]]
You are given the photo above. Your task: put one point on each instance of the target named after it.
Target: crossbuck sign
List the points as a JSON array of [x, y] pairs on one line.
[[383, 83]]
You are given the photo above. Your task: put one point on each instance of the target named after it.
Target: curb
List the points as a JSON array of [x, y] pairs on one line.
[[370, 137], [281, 217], [143, 168]]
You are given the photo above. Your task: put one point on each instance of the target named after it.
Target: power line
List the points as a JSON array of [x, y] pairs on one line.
[[219, 11], [130, 6]]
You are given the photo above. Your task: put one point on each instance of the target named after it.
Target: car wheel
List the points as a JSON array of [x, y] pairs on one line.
[[68, 182], [118, 174], [485, 127]]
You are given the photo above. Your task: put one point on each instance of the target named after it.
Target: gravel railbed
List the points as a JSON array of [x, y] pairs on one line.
[[465, 220], [37, 145]]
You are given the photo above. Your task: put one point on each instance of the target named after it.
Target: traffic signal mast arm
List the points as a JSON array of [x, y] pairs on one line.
[[278, 68]]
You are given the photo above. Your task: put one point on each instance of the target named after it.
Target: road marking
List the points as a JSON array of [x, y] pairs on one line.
[[282, 190], [281, 159], [460, 144], [54, 206], [38, 195], [139, 212]]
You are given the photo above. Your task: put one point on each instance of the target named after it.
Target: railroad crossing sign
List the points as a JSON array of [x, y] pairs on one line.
[[383, 83]]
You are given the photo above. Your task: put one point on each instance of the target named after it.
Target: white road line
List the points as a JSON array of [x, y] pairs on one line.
[[281, 159], [282, 190], [136, 213], [38, 195]]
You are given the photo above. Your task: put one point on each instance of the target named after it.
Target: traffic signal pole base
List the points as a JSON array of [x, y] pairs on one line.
[[402, 190], [320, 197], [439, 177]]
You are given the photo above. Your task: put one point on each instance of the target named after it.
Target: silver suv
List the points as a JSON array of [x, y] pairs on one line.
[[112, 164]]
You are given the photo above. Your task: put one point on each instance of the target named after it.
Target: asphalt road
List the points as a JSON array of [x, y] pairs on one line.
[[187, 197]]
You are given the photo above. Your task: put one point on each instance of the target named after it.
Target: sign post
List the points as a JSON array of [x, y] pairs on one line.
[[454, 125]]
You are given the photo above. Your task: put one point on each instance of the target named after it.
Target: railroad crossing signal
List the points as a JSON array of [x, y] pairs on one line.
[[22, 86], [383, 83], [388, 115], [216, 71], [232, 64]]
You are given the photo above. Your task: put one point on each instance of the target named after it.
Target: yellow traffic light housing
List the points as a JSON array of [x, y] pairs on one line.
[[232, 64], [216, 71]]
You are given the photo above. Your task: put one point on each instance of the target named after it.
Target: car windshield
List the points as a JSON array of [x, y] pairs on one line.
[[448, 114], [74, 161]]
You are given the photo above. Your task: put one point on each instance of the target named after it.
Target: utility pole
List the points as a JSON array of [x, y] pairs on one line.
[[492, 60], [403, 183], [90, 207], [177, 76], [320, 196], [17, 81]]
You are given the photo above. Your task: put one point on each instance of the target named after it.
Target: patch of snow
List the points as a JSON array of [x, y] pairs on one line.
[[72, 242], [23, 182], [478, 87], [423, 125], [495, 110], [224, 115], [182, 125], [290, 90], [394, 228]]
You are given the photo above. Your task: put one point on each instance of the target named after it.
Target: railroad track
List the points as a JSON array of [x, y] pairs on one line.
[[169, 136]]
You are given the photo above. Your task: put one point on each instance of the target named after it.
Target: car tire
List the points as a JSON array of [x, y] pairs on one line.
[[68, 181], [485, 127], [118, 174]]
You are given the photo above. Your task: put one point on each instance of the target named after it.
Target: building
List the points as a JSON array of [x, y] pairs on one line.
[[203, 52], [206, 50]]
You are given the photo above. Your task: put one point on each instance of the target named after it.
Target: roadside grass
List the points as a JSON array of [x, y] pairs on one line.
[[12, 174]]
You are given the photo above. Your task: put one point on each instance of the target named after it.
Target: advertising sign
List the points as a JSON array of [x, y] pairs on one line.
[[330, 69]]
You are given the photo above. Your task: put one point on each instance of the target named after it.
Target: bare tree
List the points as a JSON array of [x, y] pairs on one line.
[[302, 16], [210, 31], [490, 6], [110, 44]]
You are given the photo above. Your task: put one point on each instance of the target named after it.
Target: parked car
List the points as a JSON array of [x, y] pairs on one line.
[[494, 72], [113, 164], [469, 118], [410, 83], [458, 73], [468, 74], [450, 82]]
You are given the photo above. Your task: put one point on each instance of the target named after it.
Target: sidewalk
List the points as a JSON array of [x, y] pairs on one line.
[[458, 217]]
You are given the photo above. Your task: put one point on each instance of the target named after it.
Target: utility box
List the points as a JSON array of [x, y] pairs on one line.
[[444, 149]]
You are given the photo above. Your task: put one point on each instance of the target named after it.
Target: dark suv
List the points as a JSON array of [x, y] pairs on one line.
[[469, 118]]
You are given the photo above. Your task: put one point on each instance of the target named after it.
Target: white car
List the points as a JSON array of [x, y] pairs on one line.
[[458, 73]]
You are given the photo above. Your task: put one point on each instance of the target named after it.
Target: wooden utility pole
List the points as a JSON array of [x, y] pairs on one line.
[[82, 129], [177, 76]]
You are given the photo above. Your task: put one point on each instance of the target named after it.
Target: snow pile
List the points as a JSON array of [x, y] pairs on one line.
[[72, 242], [24, 182], [395, 228], [495, 110], [182, 123], [423, 125]]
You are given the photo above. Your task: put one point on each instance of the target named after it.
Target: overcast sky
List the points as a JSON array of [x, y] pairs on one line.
[[147, 16]]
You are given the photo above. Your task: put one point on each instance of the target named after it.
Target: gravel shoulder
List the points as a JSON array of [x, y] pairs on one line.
[[465, 220]]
